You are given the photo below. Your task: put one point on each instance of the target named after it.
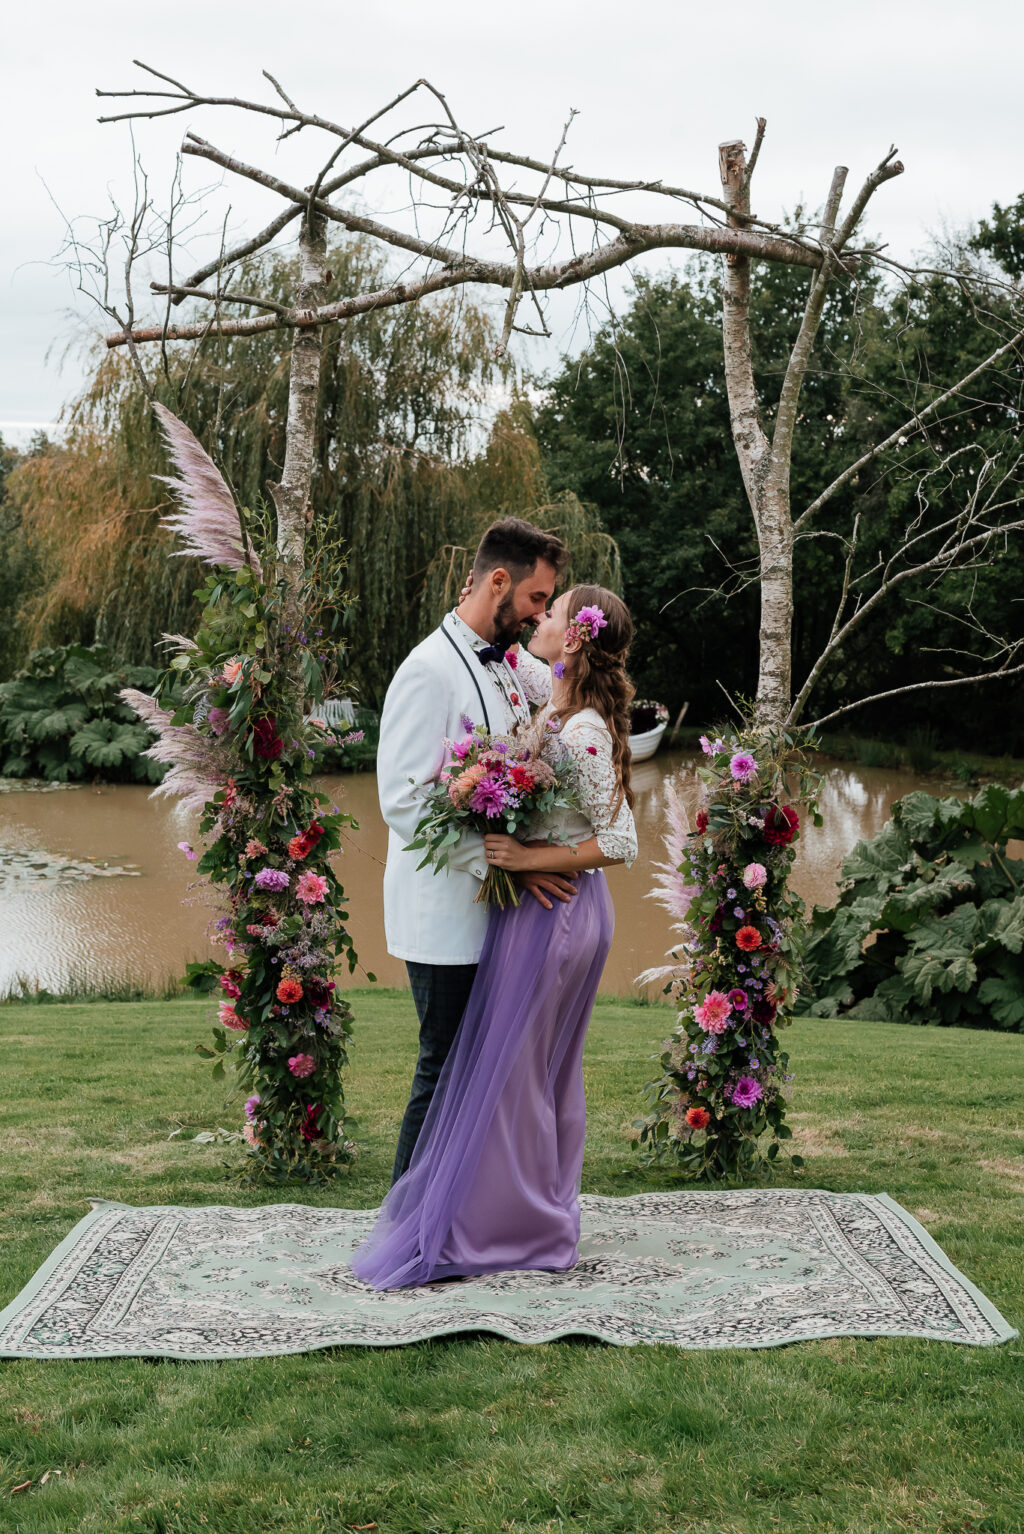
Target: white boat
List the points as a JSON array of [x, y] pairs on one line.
[[645, 744]]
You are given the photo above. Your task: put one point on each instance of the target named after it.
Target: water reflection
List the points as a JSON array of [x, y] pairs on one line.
[[151, 924]]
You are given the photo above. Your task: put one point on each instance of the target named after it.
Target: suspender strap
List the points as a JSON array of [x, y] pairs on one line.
[[472, 674]]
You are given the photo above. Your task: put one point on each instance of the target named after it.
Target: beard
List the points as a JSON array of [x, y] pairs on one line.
[[508, 628]]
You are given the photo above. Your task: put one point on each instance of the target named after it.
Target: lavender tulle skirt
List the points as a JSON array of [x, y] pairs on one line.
[[494, 1179]]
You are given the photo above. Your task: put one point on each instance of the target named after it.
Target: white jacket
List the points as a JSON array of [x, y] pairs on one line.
[[433, 918]]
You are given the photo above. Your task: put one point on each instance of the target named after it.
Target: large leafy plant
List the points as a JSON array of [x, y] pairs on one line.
[[929, 927], [61, 718]]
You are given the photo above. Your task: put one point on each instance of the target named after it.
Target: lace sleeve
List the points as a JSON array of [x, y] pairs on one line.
[[591, 746], [534, 676]]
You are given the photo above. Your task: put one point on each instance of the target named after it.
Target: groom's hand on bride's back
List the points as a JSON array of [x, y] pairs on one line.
[[541, 886]]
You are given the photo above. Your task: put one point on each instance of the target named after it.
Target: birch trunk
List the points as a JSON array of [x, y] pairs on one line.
[[291, 495], [765, 474]]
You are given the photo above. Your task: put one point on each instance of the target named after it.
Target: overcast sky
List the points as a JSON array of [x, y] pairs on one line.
[[657, 83]]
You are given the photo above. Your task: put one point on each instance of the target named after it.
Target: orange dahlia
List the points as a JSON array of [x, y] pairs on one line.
[[698, 1118], [748, 938], [289, 990]]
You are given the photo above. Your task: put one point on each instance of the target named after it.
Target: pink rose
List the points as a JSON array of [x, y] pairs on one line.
[[229, 1018], [302, 1065], [754, 876]]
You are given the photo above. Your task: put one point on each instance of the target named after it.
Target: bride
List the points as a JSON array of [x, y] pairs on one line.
[[493, 1183]]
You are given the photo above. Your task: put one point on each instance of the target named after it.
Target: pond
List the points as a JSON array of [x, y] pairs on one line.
[[92, 883]]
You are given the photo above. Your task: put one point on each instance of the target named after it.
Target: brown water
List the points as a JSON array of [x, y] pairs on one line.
[[148, 915]]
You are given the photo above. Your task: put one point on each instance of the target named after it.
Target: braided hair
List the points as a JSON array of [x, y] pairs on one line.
[[599, 681]]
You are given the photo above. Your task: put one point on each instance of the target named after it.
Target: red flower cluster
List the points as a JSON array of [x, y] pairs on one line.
[[301, 846], [310, 1127], [318, 990], [748, 938], [522, 777], [702, 822], [266, 741], [698, 1118], [780, 825], [289, 991]]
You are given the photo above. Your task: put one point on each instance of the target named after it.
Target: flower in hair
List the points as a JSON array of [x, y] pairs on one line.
[[586, 625]]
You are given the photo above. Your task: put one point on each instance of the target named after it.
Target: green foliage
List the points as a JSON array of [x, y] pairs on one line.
[[61, 718], [400, 474], [929, 927], [639, 427]]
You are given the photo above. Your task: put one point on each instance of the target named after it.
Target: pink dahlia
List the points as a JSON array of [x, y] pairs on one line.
[[489, 797], [746, 1092], [311, 888], [713, 1016], [754, 876], [302, 1065], [743, 766]]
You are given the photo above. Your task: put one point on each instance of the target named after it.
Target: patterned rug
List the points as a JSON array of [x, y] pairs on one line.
[[754, 1268]]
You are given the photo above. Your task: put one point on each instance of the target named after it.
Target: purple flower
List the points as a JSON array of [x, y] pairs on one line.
[[559, 669], [217, 719], [466, 723], [272, 879], [737, 910], [594, 618], [746, 1092], [251, 1104], [462, 748], [705, 746], [743, 766], [489, 797], [730, 894], [739, 1000]]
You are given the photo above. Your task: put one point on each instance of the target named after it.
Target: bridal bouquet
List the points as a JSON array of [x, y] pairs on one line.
[[491, 783]]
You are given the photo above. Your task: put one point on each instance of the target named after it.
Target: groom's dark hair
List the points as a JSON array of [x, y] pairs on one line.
[[516, 546]]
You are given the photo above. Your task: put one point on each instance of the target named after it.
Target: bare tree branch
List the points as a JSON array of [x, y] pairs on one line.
[[896, 692], [915, 422]]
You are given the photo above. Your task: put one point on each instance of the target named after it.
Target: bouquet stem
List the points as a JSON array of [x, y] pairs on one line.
[[498, 889]]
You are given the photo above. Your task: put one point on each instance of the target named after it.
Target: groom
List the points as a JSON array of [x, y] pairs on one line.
[[460, 672]]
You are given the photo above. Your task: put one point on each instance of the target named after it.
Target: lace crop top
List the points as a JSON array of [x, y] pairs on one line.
[[587, 739]]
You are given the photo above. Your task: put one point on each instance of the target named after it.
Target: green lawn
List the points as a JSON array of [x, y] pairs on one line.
[[481, 1435]]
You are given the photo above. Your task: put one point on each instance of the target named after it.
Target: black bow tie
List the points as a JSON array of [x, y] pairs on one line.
[[489, 653]]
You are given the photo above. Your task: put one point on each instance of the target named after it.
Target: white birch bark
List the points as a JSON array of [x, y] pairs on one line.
[[291, 495]]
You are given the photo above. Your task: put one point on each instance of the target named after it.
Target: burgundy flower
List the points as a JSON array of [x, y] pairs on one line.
[[310, 1127], [318, 990], [266, 741], [780, 825], [702, 822], [763, 1012]]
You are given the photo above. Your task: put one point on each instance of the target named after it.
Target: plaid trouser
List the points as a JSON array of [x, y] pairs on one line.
[[440, 992]]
